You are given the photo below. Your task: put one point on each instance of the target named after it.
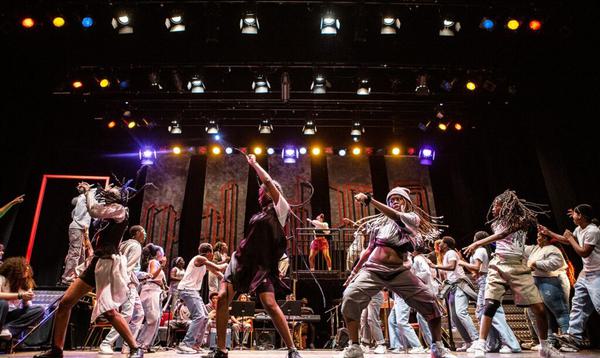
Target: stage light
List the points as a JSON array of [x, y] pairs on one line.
[[458, 126], [449, 27], [442, 126], [176, 150], [257, 150], [58, 21], [423, 126], [123, 84], [426, 155], [342, 152], [329, 24], [175, 127], [212, 127], [265, 127], [77, 84], [396, 151], [217, 137], [310, 128], [122, 23], [513, 24], [228, 150], [87, 22], [111, 124], [216, 150], [356, 150], [363, 87], [471, 86], [104, 83], [319, 84], [302, 150], [131, 124], [270, 151], [316, 151], [28, 23], [249, 23], [390, 25], [487, 24], [357, 130], [535, 25], [196, 85], [422, 89], [289, 154], [261, 84], [174, 23], [147, 155]]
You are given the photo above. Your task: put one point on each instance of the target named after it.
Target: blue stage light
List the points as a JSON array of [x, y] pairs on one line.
[[87, 22]]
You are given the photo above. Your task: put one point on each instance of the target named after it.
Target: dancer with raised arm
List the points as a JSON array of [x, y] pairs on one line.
[[254, 266], [394, 233]]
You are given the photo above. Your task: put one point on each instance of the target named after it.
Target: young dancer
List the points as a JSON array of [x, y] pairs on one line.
[[393, 234], [512, 216], [319, 243], [254, 266], [150, 295]]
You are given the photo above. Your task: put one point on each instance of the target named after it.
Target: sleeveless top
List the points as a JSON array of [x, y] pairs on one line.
[[193, 276]]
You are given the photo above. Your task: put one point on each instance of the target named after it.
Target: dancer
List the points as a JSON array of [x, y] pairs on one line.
[[152, 289], [393, 234], [420, 267], [80, 223], [189, 288], [512, 216], [501, 336], [107, 271], [458, 300], [18, 200], [370, 326], [403, 338], [254, 266], [319, 243], [132, 310], [585, 240]]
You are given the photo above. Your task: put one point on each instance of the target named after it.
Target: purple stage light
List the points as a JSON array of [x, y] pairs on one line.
[[289, 155], [147, 155], [426, 155]]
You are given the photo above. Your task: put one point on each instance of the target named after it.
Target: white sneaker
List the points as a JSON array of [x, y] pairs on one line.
[[182, 348], [478, 349], [365, 349], [537, 347], [105, 348], [505, 350], [380, 349], [398, 351], [5, 334], [125, 348], [550, 352], [464, 347], [439, 351], [353, 351], [417, 350]]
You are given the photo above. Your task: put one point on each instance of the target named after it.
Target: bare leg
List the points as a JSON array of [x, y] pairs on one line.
[[485, 325], [353, 327], [327, 258], [435, 326], [311, 259], [61, 318], [540, 320], [276, 314], [120, 324], [224, 299]]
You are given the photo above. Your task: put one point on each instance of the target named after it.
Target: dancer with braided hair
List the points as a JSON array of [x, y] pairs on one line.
[[107, 271], [511, 217], [394, 233]]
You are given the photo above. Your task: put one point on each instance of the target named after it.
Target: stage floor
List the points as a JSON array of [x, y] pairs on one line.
[[308, 354]]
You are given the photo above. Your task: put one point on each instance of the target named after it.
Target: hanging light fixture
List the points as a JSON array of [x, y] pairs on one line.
[[212, 127], [261, 84], [175, 127], [309, 128], [319, 84], [265, 127], [364, 89], [196, 85], [249, 23], [390, 25]]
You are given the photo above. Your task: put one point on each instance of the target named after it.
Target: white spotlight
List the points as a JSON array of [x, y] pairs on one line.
[[261, 84], [175, 23], [390, 25], [319, 84], [174, 128], [249, 23], [122, 23], [363, 87], [329, 24], [212, 127], [309, 128], [265, 127], [449, 27], [196, 85]]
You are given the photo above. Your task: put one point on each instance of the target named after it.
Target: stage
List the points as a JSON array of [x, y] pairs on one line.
[[321, 353]]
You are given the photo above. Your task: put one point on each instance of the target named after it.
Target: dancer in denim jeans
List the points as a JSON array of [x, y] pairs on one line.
[[370, 325], [189, 291], [402, 336], [150, 296], [585, 240]]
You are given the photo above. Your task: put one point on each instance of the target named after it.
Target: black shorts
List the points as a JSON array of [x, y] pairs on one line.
[[89, 275], [266, 284]]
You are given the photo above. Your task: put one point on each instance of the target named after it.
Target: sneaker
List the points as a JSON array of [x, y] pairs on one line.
[[417, 350], [136, 353], [505, 350], [5, 335], [353, 351], [51, 353], [550, 352], [464, 347], [439, 351], [398, 351], [478, 349], [537, 347], [105, 348], [527, 345], [125, 349], [365, 349], [198, 348], [183, 348], [293, 353], [571, 341], [380, 349], [568, 348]]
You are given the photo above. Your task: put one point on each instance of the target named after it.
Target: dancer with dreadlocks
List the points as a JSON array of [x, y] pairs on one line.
[[511, 219], [394, 233], [254, 266], [107, 271]]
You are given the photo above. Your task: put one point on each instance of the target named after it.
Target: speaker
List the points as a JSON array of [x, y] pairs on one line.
[[265, 338]]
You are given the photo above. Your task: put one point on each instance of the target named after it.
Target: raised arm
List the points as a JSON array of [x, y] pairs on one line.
[[265, 178], [409, 219], [18, 200], [217, 269], [470, 250], [474, 268]]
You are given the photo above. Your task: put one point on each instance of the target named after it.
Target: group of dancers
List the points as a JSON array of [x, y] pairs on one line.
[[397, 236]]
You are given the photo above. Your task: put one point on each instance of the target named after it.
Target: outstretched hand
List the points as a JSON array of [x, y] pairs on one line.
[[469, 250], [251, 158], [349, 279], [361, 198], [19, 199]]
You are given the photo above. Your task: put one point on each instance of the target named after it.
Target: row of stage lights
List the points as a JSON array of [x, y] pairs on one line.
[[330, 24], [289, 154]]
